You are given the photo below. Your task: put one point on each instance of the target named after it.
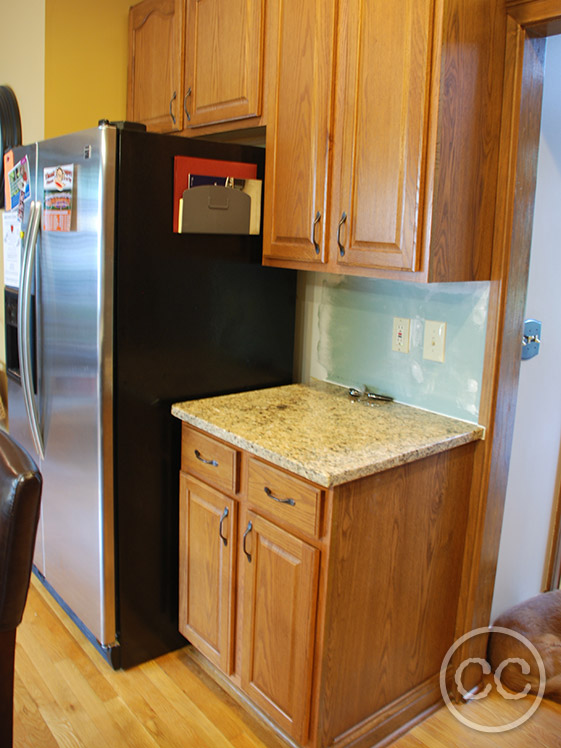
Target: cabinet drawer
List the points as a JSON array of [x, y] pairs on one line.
[[285, 497], [210, 460]]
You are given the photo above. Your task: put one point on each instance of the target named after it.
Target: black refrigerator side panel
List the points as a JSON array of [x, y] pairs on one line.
[[196, 315]]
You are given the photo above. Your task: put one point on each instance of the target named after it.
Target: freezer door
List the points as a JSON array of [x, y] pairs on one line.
[[18, 422], [75, 293]]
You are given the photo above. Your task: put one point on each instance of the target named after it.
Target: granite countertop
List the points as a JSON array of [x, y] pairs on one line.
[[317, 431]]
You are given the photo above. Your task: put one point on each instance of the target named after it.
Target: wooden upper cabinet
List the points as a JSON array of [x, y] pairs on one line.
[[224, 43], [155, 71], [298, 124], [380, 132], [392, 138]]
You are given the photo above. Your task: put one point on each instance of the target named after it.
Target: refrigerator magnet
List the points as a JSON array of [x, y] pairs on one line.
[[58, 183]]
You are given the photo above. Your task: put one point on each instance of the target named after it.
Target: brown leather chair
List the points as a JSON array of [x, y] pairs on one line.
[[20, 498]]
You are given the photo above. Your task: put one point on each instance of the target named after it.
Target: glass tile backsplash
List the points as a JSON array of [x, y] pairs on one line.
[[351, 339]]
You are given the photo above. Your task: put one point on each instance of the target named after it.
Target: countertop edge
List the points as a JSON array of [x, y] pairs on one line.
[[325, 479]]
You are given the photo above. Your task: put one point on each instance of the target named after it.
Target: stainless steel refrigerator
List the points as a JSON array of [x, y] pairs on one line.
[[111, 322]]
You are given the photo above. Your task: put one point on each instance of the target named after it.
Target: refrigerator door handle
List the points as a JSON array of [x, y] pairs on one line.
[[24, 326]]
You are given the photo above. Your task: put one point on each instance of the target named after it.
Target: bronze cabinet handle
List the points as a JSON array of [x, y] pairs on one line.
[[246, 533], [171, 114], [270, 494], [188, 93], [341, 222], [222, 518], [199, 457], [317, 219]]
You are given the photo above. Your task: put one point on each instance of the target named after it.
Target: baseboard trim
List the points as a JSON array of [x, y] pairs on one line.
[[401, 715]]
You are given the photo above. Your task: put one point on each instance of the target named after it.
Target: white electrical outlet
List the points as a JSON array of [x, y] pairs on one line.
[[400, 335], [434, 341]]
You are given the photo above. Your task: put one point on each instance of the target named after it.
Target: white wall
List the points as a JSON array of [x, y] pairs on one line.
[[22, 61], [534, 467]]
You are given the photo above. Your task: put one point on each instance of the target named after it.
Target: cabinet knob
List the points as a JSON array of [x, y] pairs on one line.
[[341, 222], [171, 114]]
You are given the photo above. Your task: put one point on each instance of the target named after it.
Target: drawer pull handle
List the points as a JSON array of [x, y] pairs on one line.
[[222, 518], [271, 495], [199, 456], [246, 533]]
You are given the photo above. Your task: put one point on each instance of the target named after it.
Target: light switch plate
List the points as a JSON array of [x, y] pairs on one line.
[[400, 334], [434, 340]]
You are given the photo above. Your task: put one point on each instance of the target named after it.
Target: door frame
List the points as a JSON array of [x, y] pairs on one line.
[[528, 23]]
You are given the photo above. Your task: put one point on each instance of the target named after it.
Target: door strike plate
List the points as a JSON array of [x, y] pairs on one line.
[[531, 338]]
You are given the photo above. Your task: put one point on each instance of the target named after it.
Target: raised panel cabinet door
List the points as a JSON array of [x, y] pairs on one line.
[[381, 132], [207, 548], [155, 71], [223, 60], [298, 122], [280, 574]]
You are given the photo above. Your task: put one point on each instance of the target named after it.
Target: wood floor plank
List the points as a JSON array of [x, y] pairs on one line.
[[30, 729], [443, 730], [222, 711]]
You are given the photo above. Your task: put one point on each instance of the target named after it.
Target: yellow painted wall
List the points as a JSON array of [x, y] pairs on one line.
[[86, 45]]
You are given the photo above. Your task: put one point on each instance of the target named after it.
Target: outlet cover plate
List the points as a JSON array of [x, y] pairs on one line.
[[434, 341], [400, 334]]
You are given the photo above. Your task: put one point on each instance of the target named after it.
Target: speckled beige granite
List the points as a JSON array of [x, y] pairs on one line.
[[319, 433]]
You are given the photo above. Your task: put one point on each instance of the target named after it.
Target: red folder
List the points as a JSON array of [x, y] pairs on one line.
[[185, 165]]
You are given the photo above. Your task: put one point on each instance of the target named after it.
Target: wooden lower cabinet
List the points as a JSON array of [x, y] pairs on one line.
[[335, 629], [279, 614], [206, 575]]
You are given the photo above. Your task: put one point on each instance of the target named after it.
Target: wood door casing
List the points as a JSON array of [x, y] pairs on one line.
[[224, 59], [155, 69], [207, 570], [279, 617]]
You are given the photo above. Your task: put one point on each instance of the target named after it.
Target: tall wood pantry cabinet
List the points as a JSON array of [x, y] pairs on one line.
[[195, 63], [382, 137], [329, 610]]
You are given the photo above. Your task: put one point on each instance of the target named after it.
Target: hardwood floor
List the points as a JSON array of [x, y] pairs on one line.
[[67, 696]]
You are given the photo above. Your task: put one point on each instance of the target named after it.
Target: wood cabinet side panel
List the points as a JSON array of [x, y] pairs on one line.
[[469, 119], [394, 574]]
